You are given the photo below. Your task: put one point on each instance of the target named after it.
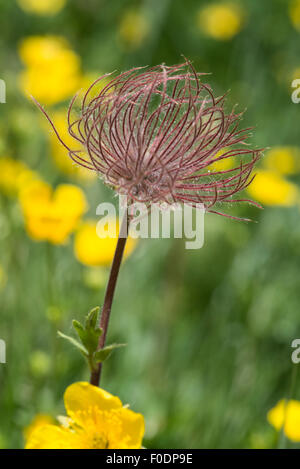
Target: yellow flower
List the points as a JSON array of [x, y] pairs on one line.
[[42, 7], [225, 164], [286, 414], [270, 188], [284, 160], [294, 11], [40, 420], [89, 78], [92, 250], [220, 21], [53, 69], [134, 29], [38, 51], [52, 215], [97, 420], [58, 151], [14, 174]]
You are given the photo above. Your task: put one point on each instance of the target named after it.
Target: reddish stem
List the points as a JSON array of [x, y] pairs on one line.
[[109, 294]]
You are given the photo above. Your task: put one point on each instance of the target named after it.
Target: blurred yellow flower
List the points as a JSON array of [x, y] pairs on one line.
[[294, 11], [38, 51], [40, 420], [270, 188], [134, 28], [223, 165], [220, 21], [284, 160], [14, 175], [42, 7], [89, 78], [96, 420], [91, 250], [286, 414], [52, 71], [52, 215], [60, 154]]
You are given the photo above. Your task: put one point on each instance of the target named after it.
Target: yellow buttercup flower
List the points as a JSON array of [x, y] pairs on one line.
[[52, 71], [220, 21], [92, 250], [38, 51], [134, 29], [60, 154], [42, 7], [224, 164], [96, 420], [40, 420], [52, 215], [286, 415], [284, 160], [88, 79], [14, 174], [294, 12], [270, 188]]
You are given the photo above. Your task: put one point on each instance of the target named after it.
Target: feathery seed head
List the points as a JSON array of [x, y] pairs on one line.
[[156, 134]]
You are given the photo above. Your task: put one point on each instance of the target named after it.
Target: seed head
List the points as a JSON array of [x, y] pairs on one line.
[[156, 134]]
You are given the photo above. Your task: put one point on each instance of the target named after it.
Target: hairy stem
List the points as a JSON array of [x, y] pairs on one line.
[[109, 294]]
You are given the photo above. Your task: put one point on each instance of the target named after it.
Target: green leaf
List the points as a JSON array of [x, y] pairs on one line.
[[89, 334], [91, 319], [89, 337], [78, 327], [74, 342], [105, 352]]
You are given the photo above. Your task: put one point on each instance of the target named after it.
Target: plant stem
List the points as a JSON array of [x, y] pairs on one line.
[[109, 294]]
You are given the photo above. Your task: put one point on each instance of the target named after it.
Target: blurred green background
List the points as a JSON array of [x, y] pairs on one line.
[[209, 332]]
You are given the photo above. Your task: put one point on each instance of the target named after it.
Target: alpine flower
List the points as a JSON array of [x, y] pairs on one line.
[[96, 420], [155, 135], [52, 215], [286, 415], [93, 250]]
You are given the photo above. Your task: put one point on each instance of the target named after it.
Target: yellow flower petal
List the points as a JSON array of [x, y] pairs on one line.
[[294, 12], [53, 69], [93, 251], [52, 215], [54, 437], [284, 160], [71, 198], [133, 428], [42, 7], [270, 188], [96, 420], [220, 21], [40, 420], [286, 414], [14, 175], [82, 396]]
